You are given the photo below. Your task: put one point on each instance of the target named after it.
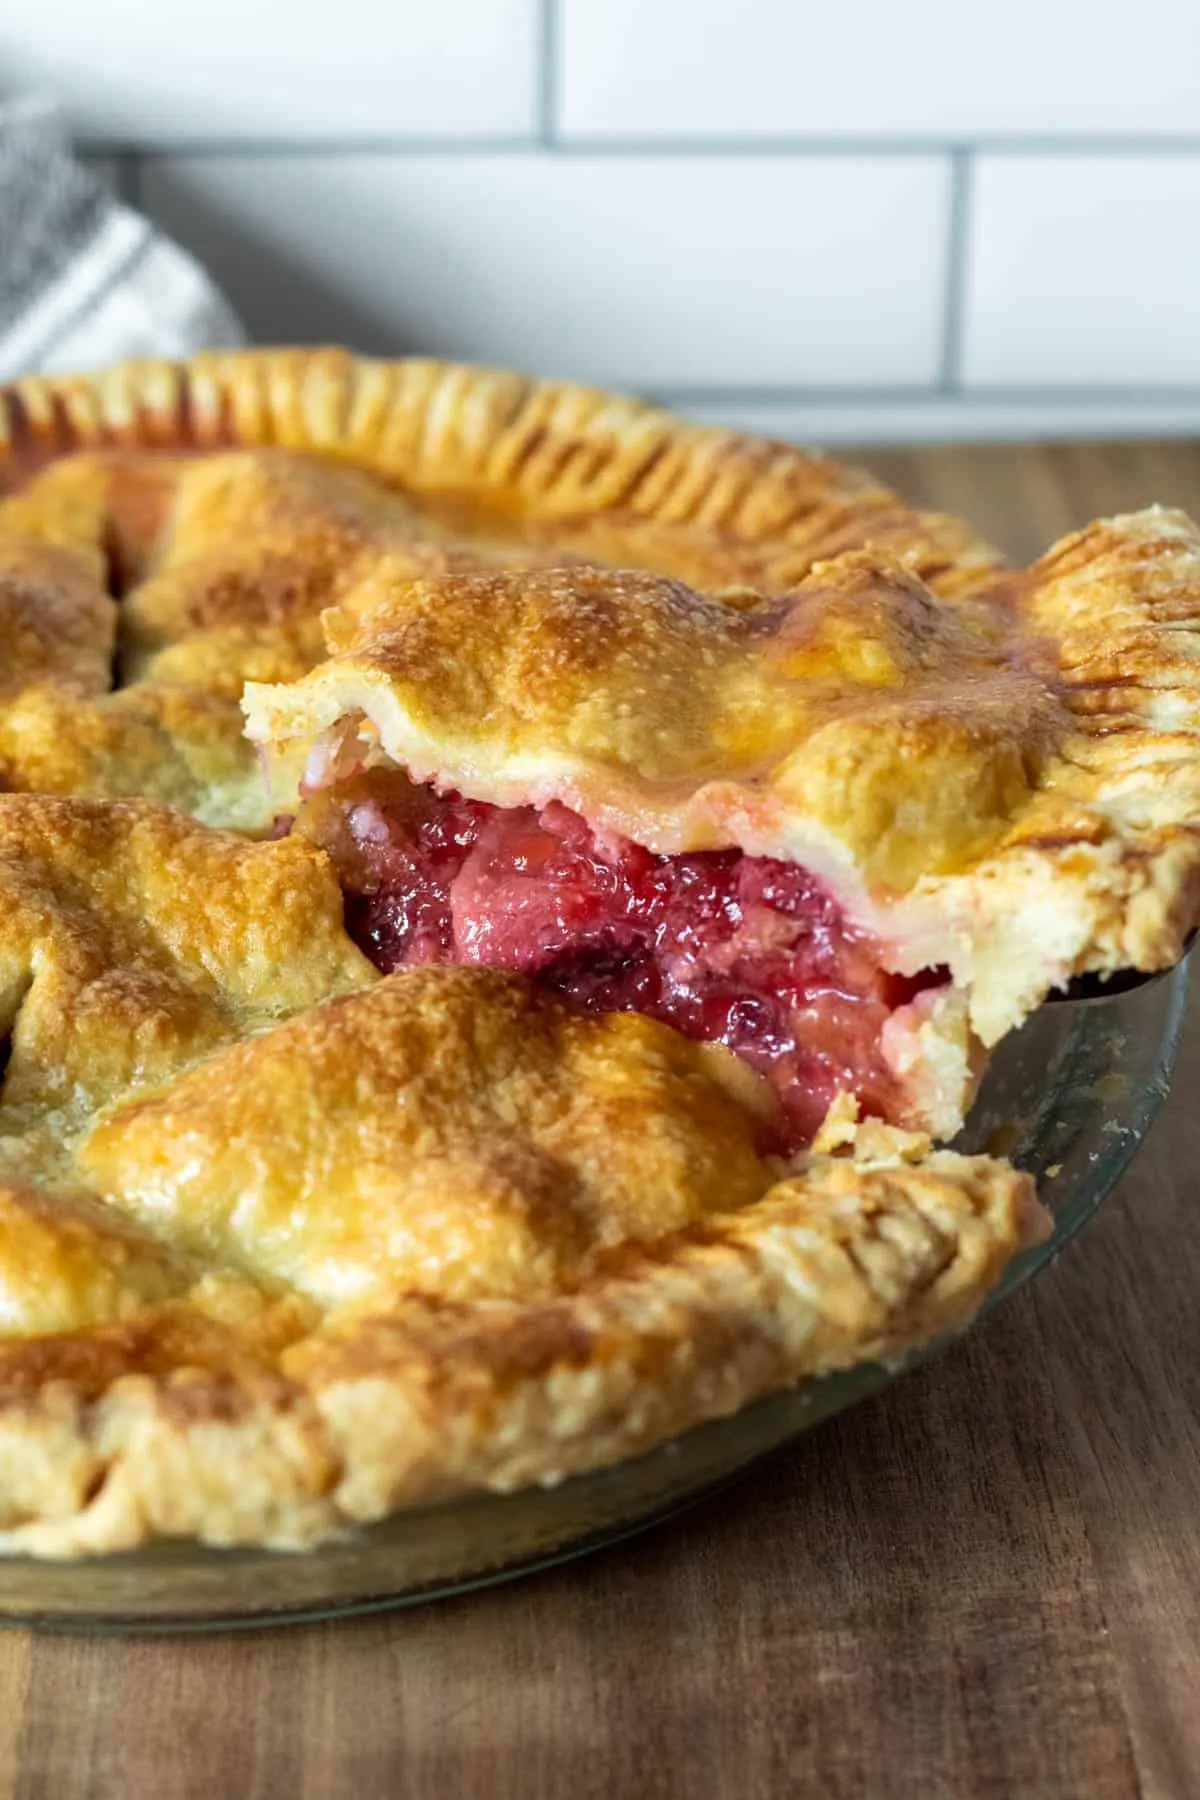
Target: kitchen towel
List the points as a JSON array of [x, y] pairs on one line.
[[85, 280]]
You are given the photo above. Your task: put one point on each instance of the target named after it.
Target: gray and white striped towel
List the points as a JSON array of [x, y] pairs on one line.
[[84, 280]]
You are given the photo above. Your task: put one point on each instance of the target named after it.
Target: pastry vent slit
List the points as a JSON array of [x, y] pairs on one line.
[[11, 1003], [19, 440], [117, 576]]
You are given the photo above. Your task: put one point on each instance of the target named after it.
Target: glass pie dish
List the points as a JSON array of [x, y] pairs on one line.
[[1069, 1097]]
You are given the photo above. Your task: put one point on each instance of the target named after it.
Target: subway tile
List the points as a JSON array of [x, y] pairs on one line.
[[128, 70], [712, 69], [634, 271], [1084, 272]]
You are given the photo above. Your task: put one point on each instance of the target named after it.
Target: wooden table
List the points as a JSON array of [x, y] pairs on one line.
[[985, 1582]]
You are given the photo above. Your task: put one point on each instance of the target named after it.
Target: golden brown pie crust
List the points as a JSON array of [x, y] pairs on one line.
[[1008, 785], [285, 1245]]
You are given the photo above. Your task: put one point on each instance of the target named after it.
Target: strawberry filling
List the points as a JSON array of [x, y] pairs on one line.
[[733, 949]]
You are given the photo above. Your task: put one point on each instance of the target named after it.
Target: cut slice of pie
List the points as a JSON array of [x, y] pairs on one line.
[[851, 832]]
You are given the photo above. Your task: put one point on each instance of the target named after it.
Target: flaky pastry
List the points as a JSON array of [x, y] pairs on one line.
[[543, 1052]]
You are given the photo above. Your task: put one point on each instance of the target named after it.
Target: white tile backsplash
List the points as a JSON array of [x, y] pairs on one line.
[[638, 271], [928, 220], [1084, 272], [134, 70], [755, 68]]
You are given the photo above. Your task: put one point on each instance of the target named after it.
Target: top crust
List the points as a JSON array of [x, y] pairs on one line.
[[789, 726], [1009, 785], [284, 1245], [575, 468], [268, 1268], [225, 559]]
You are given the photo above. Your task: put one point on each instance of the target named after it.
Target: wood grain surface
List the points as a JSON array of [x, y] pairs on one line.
[[986, 1582]]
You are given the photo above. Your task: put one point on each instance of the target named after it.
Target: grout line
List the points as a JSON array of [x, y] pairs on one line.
[[153, 149], [670, 394], [958, 246], [547, 137], [754, 146], [1134, 395], [1137, 392], [546, 73], [879, 144]]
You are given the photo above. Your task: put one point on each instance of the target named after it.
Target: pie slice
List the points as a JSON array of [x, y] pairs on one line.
[[664, 824], [851, 832]]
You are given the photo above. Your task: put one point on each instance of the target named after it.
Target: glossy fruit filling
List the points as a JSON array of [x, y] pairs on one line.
[[729, 948]]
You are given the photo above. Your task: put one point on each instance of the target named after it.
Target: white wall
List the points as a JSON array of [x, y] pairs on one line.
[[872, 220]]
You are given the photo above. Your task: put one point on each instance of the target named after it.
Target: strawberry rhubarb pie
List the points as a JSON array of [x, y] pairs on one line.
[[502, 894]]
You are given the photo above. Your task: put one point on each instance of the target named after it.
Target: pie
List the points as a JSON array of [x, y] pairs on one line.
[[501, 894]]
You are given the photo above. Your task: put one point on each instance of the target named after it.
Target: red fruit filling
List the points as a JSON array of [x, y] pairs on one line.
[[733, 949]]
